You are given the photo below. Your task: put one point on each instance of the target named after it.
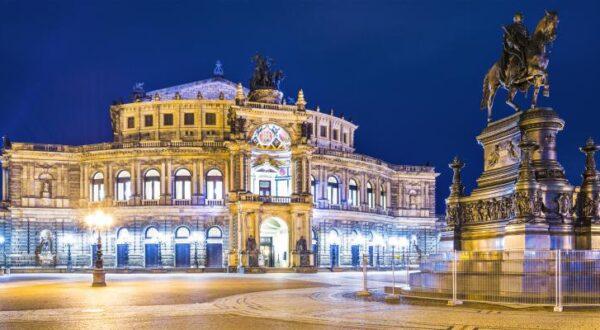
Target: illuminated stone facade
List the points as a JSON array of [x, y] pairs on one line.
[[196, 171]]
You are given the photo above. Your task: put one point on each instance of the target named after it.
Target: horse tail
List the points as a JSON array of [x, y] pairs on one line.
[[486, 91]]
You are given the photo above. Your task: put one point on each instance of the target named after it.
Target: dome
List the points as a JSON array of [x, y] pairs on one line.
[[210, 88]]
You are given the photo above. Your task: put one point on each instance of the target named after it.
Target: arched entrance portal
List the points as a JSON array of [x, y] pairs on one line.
[[274, 243]]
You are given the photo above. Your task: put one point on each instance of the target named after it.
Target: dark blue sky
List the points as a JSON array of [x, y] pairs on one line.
[[408, 72]]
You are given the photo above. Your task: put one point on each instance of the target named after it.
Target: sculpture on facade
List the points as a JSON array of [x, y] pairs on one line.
[[263, 76], [523, 63], [306, 130], [564, 206], [252, 251], [43, 250], [301, 245], [138, 92]]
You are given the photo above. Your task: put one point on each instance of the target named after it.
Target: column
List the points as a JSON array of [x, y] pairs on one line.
[[195, 182], [81, 181], [242, 161], [108, 186], [163, 175], [132, 183], [169, 180], [86, 183], [201, 184], [5, 181], [138, 181]]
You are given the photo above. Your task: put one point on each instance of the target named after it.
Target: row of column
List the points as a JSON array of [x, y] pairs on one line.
[[197, 169], [343, 179]]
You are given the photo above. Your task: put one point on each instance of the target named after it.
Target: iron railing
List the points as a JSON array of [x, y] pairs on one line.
[[546, 277]]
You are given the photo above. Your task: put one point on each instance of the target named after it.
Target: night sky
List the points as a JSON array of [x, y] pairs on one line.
[[409, 73]]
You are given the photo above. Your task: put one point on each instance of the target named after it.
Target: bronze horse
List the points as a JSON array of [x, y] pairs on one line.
[[536, 74]]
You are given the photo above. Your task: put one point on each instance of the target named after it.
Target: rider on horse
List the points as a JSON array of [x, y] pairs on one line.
[[513, 63]]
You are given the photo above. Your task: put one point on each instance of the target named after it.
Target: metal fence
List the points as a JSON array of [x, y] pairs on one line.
[[553, 278]]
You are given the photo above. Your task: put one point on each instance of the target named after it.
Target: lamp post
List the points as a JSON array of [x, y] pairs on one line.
[[97, 221], [196, 238], [69, 240], [2, 241], [365, 291]]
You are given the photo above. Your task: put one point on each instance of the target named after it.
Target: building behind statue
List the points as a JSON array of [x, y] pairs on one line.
[[212, 174]]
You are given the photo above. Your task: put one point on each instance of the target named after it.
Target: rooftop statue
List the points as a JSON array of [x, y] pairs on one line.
[[523, 63], [263, 76]]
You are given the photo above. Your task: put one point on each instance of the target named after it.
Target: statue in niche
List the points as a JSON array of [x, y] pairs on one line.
[[307, 129], [252, 251], [43, 250], [45, 191], [301, 245]]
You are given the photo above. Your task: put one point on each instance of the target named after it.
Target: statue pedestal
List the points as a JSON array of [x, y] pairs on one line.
[[595, 237], [99, 277], [448, 241], [266, 96], [527, 236]]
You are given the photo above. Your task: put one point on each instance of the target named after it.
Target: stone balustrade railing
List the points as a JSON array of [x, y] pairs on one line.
[[114, 145], [373, 160], [363, 208], [275, 199]]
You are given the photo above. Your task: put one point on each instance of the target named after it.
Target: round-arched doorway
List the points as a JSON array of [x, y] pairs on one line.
[[274, 243]]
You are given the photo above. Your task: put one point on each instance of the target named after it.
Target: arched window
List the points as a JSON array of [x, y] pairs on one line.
[[123, 186], [123, 235], [152, 185], [352, 193], [313, 188], [97, 193], [182, 232], [333, 190], [152, 233], [383, 197], [214, 185], [183, 184], [333, 237], [214, 232], [370, 195]]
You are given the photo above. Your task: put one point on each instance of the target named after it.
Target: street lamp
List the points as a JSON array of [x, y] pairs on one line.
[[69, 241], [97, 221], [196, 238], [2, 241]]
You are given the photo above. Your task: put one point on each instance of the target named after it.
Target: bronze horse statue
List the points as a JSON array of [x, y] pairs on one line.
[[536, 75]]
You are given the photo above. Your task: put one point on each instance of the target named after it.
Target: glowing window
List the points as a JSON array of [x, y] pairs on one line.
[[183, 184], [97, 187], [123, 186], [152, 185]]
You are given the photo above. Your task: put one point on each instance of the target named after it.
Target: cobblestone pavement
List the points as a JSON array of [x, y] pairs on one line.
[[315, 301]]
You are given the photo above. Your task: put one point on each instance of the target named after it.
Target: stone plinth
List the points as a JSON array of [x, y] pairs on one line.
[[526, 236], [266, 96], [99, 277]]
